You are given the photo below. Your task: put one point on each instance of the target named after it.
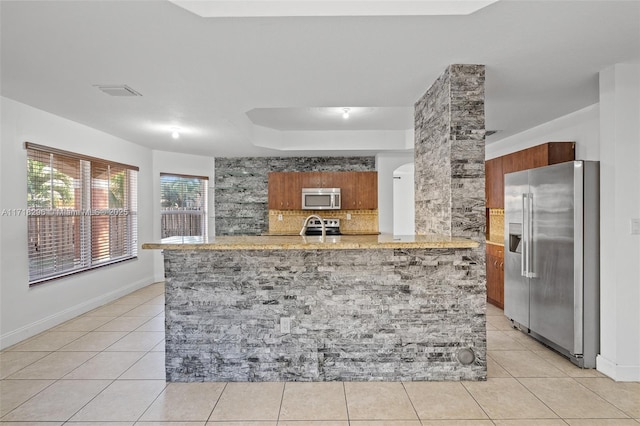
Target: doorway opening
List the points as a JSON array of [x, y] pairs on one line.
[[403, 200]]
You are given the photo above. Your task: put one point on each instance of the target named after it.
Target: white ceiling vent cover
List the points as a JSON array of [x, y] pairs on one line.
[[121, 90]]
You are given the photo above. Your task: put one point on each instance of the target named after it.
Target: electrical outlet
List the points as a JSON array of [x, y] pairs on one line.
[[635, 226], [280, 217], [285, 325], [348, 216]]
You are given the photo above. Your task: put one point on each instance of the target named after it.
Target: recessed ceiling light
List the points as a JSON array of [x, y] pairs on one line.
[[175, 133], [117, 90], [345, 113]]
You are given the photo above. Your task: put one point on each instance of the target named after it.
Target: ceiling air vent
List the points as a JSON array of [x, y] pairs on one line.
[[121, 90]]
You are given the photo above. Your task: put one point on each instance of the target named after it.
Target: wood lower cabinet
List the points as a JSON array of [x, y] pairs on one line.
[[495, 275], [359, 190]]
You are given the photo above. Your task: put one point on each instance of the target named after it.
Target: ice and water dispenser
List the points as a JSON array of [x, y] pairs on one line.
[[515, 237]]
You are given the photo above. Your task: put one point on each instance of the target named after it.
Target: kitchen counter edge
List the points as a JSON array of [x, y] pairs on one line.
[[343, 242]]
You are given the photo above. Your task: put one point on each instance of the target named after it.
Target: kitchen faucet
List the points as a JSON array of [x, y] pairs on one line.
[[306, 223]]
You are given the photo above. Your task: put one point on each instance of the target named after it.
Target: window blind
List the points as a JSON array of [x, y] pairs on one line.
[[82, 212], [183, 205]]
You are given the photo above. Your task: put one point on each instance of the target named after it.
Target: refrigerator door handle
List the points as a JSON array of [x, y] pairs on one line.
[[530, 273], [525, 238]]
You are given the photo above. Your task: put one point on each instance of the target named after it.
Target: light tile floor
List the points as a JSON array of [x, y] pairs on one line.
[[107, 367]]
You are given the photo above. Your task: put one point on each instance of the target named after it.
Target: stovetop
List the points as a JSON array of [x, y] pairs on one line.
[[332, 227]]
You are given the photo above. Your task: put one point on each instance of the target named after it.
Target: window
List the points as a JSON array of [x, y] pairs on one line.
[[183, 205], [82, 212]]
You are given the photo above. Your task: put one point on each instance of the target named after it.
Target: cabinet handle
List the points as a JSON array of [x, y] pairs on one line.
[[502, 265]]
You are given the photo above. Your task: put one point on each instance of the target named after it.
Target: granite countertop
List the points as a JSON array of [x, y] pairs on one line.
[[343, 242], [495, 243]]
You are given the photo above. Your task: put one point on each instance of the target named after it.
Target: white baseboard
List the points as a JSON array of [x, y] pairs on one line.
[[619, 373], [30, 330]]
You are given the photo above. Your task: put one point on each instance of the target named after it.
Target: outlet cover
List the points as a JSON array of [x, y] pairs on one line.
[[635, 226], [280, 217]]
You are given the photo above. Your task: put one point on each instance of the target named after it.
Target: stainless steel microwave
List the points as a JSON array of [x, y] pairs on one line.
[[321, 198]]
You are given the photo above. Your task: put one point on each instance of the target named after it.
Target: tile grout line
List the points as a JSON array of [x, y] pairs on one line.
[[346, 402], [284, 385], [411, 402], [477, 402], [216, 403], [603, 398], [537, 397]]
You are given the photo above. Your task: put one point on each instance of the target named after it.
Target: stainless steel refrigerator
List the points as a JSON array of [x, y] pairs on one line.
[[551, 274]]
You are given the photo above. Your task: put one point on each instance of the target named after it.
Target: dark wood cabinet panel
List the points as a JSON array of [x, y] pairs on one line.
[[367, 190], [559, 152], [284, 191], [310, 179], [359, 190], [495, 275], [331, 179], [494, 183], [530, 158]]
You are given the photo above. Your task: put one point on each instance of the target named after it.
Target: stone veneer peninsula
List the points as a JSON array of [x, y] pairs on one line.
[[265, 308], [360, 308]]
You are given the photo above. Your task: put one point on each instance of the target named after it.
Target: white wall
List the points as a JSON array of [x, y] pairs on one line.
[[608, 132], [185, 164], [582, 126], [619, 203], [404, 211], [386, 163], [26, 311]]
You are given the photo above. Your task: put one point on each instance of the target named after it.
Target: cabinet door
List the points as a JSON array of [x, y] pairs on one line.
[[494, 183], [331, 179], [513, 162], [311, 179], [349, 190], [293, 191], [284, 191], [495, 275], [359, 190], [559, 152], [537, 156], [367, 190], [276, 190]]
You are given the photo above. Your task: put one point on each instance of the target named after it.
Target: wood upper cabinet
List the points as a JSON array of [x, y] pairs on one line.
[[359, 190], [494, 183], [285, 191], [530, 158], [310, 179], [495, 275], [367, 190]]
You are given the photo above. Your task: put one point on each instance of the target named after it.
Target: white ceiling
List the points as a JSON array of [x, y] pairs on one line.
[[276, 85]]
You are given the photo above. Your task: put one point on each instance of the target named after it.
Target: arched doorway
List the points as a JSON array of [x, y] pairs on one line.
[[403, 200]]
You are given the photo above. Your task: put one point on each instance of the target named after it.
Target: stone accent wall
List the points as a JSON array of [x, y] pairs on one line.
[[356, 315], [241, 187], [449, 155]]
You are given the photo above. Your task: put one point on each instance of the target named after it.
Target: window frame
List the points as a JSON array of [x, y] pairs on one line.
[[203, 210], [121, 227]]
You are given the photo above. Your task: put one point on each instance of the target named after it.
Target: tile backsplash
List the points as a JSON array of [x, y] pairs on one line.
[[361, 221], [496, 226]]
